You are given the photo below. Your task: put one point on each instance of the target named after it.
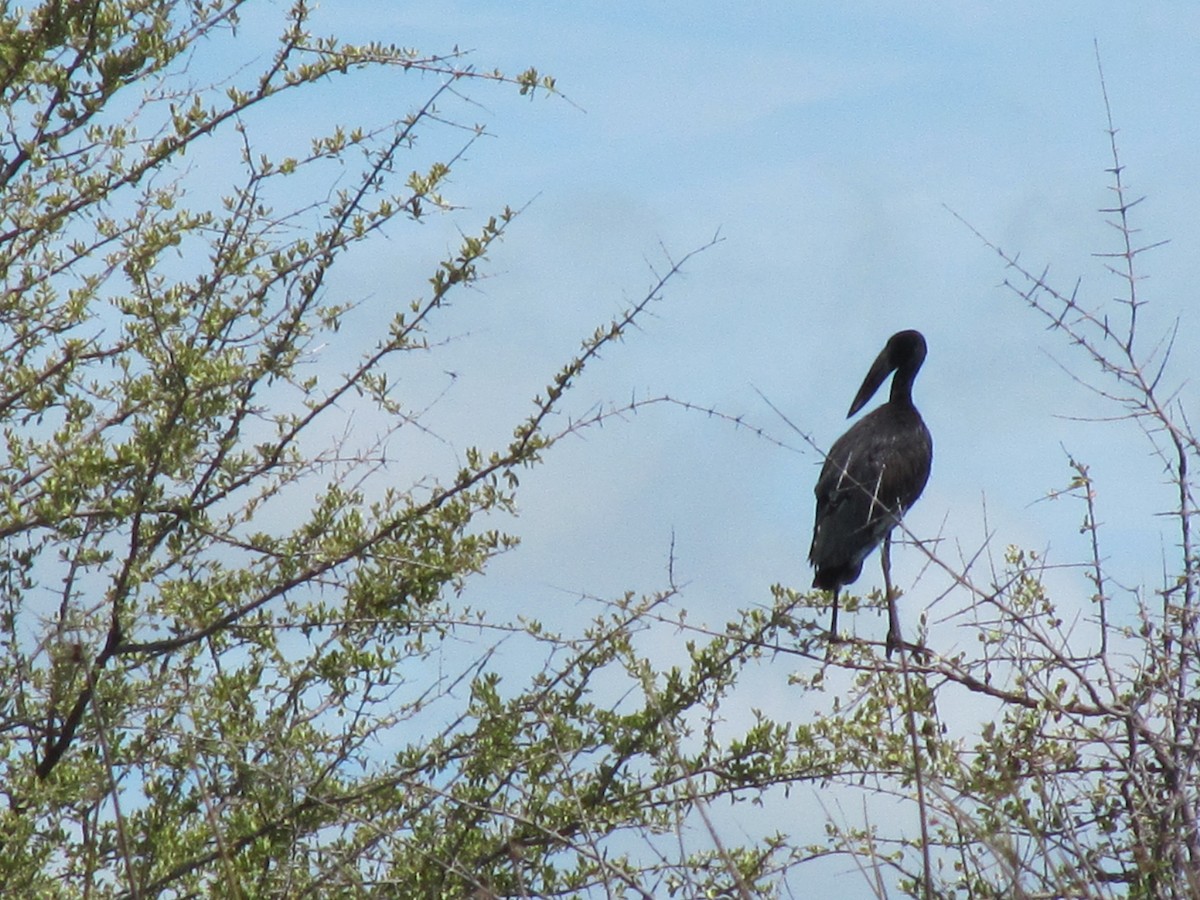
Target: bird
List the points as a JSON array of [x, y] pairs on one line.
[[872, 475]]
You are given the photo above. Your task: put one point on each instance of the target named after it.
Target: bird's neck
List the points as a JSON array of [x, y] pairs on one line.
[[902, 383]]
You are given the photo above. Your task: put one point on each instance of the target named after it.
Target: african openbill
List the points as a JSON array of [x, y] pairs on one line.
[[872, 475]]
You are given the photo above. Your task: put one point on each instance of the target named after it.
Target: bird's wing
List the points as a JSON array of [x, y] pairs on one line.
[[870, 476]]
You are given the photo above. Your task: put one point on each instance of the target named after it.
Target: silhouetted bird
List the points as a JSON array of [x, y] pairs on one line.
[[872, 475]]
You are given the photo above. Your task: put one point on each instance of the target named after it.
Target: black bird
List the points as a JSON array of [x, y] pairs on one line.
[[872, 475]]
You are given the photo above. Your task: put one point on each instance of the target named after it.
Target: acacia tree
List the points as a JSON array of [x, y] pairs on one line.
[[213, 618], [228, 661]]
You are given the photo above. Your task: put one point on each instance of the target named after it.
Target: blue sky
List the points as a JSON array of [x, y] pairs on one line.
[[823, 142]]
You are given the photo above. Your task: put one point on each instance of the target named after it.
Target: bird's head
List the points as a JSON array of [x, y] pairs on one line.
[[905, 351]]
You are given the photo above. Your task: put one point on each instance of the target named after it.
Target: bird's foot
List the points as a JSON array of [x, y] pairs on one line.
[[894, 642], [832, 640]]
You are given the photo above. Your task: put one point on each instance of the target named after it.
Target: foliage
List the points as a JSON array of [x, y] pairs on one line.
[[215, 625]]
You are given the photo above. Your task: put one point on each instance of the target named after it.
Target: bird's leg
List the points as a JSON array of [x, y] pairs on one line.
[[893, 635], [834, 639], [894, 641]]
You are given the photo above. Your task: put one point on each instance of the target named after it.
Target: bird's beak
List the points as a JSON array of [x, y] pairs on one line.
[[880, 370]]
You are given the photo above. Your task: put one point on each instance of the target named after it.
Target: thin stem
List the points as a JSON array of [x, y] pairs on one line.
[[894, 641]]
